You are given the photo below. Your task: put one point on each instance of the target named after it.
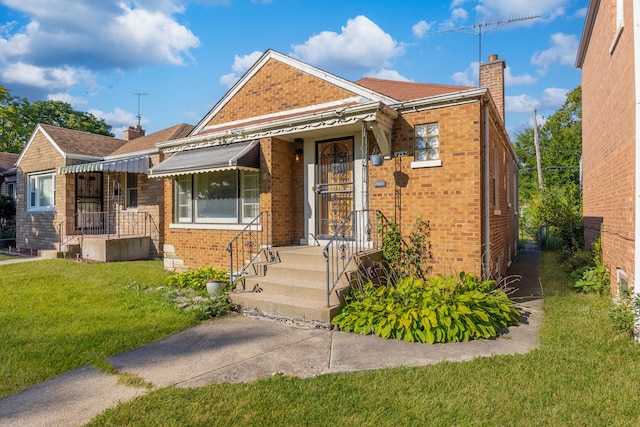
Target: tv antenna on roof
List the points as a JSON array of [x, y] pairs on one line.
[[139, 94], [486, 27]]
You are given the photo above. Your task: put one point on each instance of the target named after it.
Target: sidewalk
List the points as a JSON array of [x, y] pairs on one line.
[[241, 349]]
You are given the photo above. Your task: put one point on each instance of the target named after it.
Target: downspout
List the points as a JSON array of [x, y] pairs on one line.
[[486, 238], [636, 66]]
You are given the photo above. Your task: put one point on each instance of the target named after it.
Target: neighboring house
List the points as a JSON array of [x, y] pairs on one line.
[[8, 173], [609, 56], [294, 141], [73, 184]]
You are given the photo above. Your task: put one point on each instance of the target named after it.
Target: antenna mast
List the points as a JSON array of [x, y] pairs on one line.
[[139, 94], [485, 27]]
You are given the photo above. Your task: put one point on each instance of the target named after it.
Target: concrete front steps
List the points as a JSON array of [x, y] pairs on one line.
[[290, 283]]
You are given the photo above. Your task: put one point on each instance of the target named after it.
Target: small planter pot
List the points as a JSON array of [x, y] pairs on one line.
[[214, 288], [376, 159]]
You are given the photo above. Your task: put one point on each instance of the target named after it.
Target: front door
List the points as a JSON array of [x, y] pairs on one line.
[[334, 185], [89, 202]]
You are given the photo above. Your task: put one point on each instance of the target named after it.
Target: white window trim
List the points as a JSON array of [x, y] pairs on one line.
[[619, 25], [126, 193], [38, 208], [204, 226], [426, 164]]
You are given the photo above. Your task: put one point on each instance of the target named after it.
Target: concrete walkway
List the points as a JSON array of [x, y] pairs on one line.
[[241, 349]]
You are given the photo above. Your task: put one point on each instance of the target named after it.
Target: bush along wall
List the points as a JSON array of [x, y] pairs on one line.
[[436, 310]]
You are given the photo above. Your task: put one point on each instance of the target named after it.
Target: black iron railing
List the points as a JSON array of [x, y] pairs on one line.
[[246, 246], [108, 224], [357, 233]]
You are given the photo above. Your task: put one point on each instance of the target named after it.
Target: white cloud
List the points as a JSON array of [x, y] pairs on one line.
[[362, 45], [520, 104], [456, 3], [74, 101], [118, 118], [468, 77], [553, 98], [512, 9], [511, 80], [562, 51], [240, 65], [64, 38], [420, 29], [388, 75], [580, 13], [459, 14]]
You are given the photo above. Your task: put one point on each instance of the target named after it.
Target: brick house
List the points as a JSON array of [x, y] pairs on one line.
[[72, 183], [608, 55], [295, 141]]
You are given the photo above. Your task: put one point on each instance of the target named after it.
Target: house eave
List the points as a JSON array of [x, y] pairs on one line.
[[589, 22]]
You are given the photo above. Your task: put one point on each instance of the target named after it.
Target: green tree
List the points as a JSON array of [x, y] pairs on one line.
[[560, 150], [19, 117]]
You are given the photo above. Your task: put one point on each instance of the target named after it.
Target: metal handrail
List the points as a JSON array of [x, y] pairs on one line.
[[358, 232], [245, 247]]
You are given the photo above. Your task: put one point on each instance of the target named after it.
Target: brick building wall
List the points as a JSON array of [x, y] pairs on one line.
[[37, 229], [608, 114], [278, 87]]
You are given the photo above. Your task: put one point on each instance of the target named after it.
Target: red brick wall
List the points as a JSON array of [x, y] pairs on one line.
[[37, 230], [278, 87], [608, 130], [450, 196]]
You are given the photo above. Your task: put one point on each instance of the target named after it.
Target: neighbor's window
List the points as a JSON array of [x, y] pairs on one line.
[[131, 199], [11, 189], [42, 191], [427, 142], [229, 197]]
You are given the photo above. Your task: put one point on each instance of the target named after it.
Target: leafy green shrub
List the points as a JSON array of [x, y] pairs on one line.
[[594, 280], [442, 309], [623, 316], [577, 259], [407, 259], [197, 279]]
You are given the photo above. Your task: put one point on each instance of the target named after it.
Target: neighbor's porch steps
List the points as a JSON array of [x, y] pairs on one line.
[[290, 283]]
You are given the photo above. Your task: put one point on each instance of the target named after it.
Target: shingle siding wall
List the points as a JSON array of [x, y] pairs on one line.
[[608, 114]]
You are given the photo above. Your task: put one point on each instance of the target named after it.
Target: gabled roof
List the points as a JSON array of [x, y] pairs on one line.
[[148, 142], [7, 161], [407, 91], [271, 55], [81, 143]]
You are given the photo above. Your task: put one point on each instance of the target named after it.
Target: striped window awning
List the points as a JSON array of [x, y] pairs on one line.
[[240, 155], [138, 164]]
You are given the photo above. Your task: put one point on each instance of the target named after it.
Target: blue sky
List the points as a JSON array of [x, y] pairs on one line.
[[184, 55]]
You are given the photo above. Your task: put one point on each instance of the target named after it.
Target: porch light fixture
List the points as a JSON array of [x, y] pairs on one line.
[[298, 154]]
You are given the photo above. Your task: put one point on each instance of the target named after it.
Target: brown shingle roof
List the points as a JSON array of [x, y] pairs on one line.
[[407, 91], [148, 142], [84, 143], [7, 161]]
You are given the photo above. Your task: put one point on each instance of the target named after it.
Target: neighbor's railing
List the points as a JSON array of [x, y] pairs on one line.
[[245, 247], [108, 224], [357, 233]]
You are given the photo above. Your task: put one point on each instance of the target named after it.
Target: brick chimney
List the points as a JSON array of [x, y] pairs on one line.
[[133, 132], [492, 77]]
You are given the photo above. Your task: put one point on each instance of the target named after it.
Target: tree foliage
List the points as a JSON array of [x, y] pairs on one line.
[[19, 117], [559, 204]]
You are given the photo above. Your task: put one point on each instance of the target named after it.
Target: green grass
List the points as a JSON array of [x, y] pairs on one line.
[[580, 375], [4, 257], [58, 315]]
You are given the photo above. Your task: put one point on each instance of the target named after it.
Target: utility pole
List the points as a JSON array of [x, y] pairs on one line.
[[536, 143]]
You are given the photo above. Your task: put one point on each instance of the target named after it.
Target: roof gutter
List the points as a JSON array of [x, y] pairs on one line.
[[592, 11]]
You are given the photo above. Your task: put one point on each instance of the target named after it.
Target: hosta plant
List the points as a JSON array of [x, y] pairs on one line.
[[440, 309]]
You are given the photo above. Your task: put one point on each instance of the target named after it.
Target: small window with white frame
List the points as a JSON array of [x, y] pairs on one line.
[[42, 191], [131, 192], [426, 145]]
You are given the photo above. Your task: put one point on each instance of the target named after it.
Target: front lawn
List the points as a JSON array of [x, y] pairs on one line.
[[581, 374], [58, 315]]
